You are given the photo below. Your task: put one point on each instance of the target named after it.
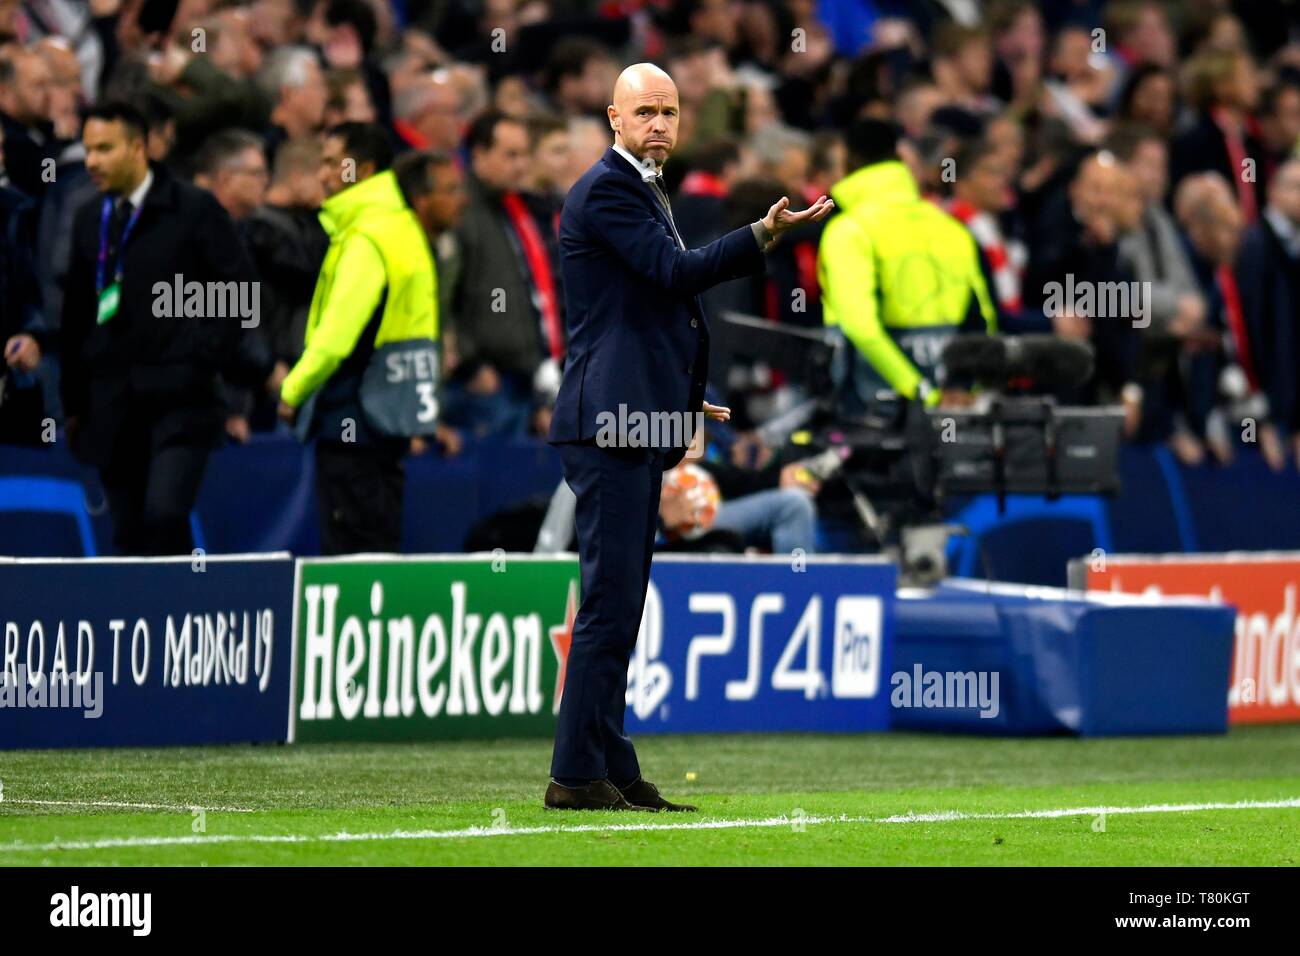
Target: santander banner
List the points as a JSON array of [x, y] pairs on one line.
[[1265, 590]]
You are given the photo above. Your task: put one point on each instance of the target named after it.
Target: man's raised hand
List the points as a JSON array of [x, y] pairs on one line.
[[779, 218]]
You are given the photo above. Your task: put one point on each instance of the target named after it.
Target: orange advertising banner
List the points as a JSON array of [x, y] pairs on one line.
[[1263, 587]]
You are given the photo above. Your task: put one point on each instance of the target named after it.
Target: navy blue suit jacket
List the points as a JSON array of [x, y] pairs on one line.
[[637, 335]]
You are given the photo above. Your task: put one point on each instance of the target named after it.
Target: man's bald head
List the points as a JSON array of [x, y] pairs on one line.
[[645, 112]]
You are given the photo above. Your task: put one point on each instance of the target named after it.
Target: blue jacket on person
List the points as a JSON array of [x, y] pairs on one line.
[[637, 335]]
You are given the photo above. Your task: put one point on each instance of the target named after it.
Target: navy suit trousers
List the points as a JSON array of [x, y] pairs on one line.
[[617, 518]]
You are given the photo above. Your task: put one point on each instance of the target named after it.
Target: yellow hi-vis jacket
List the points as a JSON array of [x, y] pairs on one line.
[[897, 273], [376, 245]]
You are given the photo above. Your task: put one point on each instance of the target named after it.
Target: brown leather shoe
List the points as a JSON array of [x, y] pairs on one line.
[[597, 795], [643, 793]]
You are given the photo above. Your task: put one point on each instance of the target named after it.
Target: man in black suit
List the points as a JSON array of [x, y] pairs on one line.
[[140, 363], [638, 356]]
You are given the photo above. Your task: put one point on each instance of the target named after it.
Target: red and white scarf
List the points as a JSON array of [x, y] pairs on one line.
[[1006, 259]]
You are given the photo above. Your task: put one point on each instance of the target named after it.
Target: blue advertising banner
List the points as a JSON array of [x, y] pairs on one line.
[[142, 652], [763, 644]]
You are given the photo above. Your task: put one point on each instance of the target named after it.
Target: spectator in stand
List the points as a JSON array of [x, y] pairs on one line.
[[291, 79], [1154, 253], [1142, 32], [1149, 97], [1268, 278], [24, 333], [588, 140], [425, 113], [962, 65], [434, 187], [1084, 252], [548, 172], [1223, 386], [1223, 90], [981, 195], [232, 166], [349, 99], [506, 314], [578, 77], [30, 142], [288, 245], [698, 206], [1279, 122]]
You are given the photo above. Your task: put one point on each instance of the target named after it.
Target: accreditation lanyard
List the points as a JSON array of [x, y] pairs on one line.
[[110, 294]]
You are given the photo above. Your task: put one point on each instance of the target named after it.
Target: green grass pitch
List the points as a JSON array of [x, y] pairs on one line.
[[798, 799]]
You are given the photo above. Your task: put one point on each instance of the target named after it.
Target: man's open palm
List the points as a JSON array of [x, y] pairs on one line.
[[779, 218]]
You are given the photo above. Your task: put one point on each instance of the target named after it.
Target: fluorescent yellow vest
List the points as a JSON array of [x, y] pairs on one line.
[[373, 212], [892, 264]]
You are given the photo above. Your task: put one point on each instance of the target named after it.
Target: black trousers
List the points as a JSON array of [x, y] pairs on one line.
[[359, 491], [617, 517], [152, 480]]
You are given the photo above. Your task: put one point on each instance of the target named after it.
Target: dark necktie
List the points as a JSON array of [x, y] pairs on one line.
[[116, 226], [658, 186]]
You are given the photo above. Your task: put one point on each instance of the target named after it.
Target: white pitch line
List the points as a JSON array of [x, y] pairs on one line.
[[781, 821], [174, 808], [1290, 802]]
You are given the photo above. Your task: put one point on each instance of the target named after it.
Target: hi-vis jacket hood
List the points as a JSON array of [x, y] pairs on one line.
[[893, 265], [378, 256]]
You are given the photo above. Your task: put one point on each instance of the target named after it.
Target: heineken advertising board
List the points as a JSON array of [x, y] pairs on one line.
[[418, 648], [429, 648]]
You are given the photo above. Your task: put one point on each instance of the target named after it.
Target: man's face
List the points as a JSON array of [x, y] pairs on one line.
[[1247, 83], [1151, 165], [241, 186], [335, 176], [645, 117], [1093, 191], [1215, 230], [160, 140], [438, 121], [1151, 38], [1009, 140], [30, 99], [272, 22], [987, 187], [308, 101], [975, 63], [447, 201], [115, 159], [793, 170], [551, 158], [597, 76], [1284, 191], [1153, 101], [357, 107], [504, 164], [305, 190], [1282, 126]]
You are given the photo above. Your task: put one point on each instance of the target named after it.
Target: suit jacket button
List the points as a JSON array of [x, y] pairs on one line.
[[695, 323]]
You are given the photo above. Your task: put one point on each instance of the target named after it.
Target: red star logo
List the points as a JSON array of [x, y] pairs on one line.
[[561, 639]]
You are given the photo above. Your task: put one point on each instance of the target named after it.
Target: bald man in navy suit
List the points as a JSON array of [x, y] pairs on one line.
[[631, 401]]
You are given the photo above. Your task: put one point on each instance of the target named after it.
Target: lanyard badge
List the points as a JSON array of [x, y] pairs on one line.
[[110, 293]]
